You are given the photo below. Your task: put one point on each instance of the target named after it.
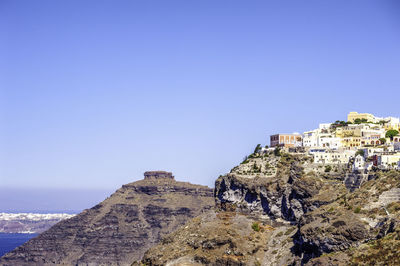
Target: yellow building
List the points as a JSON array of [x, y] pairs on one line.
[[350, 142], [354, 115], [349, 131]]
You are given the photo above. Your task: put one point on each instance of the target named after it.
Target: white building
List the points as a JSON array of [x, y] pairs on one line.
[[310, 138], [360, 164], [330, 142], [390, 122], [325, 126], [371, 135], [327, 156], [388, 160], [321, 137], [371, 151]]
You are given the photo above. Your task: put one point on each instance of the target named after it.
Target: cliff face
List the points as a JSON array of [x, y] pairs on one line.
[[281, 209], [286, 195], [118, 230]]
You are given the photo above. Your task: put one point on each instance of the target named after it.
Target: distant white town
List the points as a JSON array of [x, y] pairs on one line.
[[365, 141], [29, 223]]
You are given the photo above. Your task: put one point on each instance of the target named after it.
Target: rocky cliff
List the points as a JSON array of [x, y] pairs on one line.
[[118, 230], [281, 209]]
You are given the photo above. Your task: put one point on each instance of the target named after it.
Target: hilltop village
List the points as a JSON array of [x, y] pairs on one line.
[[364, 142]]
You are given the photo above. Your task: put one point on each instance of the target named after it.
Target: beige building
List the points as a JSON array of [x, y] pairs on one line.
[[286, 140], [349, 131], [354, 115]]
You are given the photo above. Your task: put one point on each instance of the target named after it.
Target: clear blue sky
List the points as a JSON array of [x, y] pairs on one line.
[[94, 93]]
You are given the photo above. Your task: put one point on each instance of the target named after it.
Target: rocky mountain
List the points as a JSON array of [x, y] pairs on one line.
[[120, 229], [277, 208], [29, 222]]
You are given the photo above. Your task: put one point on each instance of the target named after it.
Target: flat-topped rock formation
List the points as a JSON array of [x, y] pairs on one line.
[[120, 229], [158, 175]]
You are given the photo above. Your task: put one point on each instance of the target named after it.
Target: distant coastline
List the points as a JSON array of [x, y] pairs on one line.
[[30, 223], [8, 242]]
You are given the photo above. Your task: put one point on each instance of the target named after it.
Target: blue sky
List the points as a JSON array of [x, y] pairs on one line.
[[94, 93]]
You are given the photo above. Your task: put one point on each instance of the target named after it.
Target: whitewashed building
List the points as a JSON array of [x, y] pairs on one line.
[[360, 164], [371, 151], [388, 160], [310, 138], [328, 156], [321, 137], [330, 142]]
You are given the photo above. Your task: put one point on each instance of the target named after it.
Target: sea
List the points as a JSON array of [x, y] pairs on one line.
[[9, 242]]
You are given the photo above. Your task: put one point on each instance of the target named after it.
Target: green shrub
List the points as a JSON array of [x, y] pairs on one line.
[[277, 151], [256, 226], [328, 168], [391, 133], [258, 148], [360, 152], [256, 169], [357, 210]]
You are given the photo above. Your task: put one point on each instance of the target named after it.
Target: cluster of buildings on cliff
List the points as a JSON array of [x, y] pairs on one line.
[[365, 140]]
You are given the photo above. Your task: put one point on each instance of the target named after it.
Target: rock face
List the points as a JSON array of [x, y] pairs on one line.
[[120, 229], [286, 195], [274, 209]]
